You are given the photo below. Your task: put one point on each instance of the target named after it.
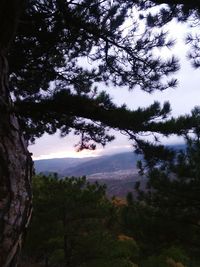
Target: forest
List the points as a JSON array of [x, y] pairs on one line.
[[46, 87], [76, 224]]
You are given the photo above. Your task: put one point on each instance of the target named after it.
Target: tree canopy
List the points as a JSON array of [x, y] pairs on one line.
[[74, 224], [65, 55]]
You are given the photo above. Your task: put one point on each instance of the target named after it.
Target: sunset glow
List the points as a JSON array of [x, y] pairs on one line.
[[68, 154]]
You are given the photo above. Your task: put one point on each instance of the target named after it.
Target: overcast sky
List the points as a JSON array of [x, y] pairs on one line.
[[182, 100]]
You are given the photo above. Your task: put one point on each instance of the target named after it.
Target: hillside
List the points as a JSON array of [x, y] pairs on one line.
[[57, 164], [117, 171], [88, 166], [108, 164]]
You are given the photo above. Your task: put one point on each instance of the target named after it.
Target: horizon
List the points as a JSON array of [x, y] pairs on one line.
[[75, 155]]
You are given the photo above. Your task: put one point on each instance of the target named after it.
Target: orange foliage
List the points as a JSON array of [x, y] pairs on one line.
[[118, 202], [123, 237]]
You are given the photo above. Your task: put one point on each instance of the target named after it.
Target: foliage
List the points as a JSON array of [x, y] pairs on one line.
[[74, 224], [172, 257], [160, 228], [166, 213], [66, 54], [180, 11]]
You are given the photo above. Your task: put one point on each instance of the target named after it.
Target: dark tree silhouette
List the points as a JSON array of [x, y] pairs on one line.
[[172, 197], [15, 161], [53, 87]]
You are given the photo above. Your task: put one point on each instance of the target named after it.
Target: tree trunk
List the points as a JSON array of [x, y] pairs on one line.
[[15, 160]]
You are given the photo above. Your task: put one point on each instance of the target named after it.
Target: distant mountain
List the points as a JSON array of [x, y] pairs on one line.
[[108, 164], [117, 171], [57, 164], [89, 166]]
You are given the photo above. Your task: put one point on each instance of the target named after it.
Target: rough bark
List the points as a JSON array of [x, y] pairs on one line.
[[15, 160]]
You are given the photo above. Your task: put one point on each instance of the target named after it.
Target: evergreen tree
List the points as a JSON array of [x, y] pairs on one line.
[[52, 88], [91, 32], [73, 225], [182, 11], [172, 194], [15, 160]]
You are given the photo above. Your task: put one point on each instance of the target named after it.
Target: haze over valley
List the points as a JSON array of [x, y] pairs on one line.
[[119, 171]]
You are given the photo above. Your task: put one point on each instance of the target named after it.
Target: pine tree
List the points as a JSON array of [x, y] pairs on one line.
[[73, 226], [52, 88], [181, 11], [172, 195], [15, 160]]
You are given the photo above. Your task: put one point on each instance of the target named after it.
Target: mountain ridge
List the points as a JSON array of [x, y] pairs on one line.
[[118, 171], [91, 165], [87, 166]]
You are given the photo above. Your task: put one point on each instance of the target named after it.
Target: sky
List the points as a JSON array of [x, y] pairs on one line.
[[182, 100]]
